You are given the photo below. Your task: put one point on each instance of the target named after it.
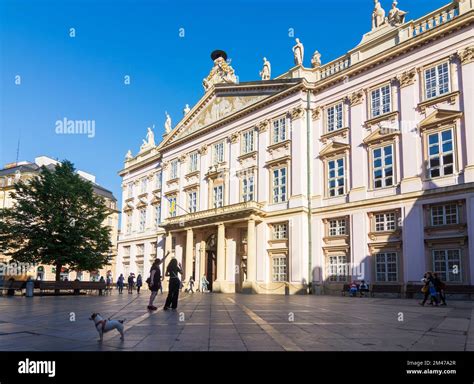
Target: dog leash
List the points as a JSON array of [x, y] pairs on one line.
[[125, 306]]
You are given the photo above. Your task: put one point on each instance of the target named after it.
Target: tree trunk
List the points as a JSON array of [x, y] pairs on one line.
[[58, 276]]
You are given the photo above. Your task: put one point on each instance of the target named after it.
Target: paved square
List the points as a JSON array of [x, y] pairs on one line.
[[226, 322]]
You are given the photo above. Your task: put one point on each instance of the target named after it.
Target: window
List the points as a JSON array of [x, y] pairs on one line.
[[386, 267], [440, 154], [383, 166], [334, 117], [280, 231], [193, 162], [172, 206], [128, 221], [336, 177], [248, 188], [157, 215], [248, 142], [126, 251], [380, 98], [337, 268], [437, 81], [279, 269], [140, 249], [279, 130], [337, 227], [218, 196], [385, 222], [143, 184], [279, 185], [142, 222], [174, 169], [192, 201], [444, 215], [218, 153], [158, 180], [130, 190], [447, 264]]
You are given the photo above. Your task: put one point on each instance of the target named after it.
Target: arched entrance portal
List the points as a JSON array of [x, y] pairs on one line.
[[211, 260]]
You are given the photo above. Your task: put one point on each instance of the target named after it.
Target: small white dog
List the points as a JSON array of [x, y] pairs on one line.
[[102, 325]]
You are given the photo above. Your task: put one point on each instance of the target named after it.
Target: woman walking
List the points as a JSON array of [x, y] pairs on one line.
[[120, 283], [174, 284], [440, 287], [154, 283], [429, 289], [139, 283]]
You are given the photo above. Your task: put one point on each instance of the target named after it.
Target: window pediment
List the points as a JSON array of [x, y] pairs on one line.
[[334, 148], [439, 118], [381, 135]]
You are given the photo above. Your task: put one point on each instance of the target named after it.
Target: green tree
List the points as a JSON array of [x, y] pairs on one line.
[[56, 219]]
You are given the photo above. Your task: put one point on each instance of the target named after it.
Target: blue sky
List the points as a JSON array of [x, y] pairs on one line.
[[82, 78]]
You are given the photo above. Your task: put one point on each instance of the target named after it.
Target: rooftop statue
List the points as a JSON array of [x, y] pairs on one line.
[[221, 72], [186, 109], [316, 59], [265, 73], [128, 155], [150, 140], [378, 16], [396, 16], [167, 123], [298, 51]]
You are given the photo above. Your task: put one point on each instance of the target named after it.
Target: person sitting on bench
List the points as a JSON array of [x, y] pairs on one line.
[[363, 288], [353, 289]]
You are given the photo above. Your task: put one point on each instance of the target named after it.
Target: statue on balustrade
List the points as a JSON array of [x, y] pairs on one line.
[[298, 51], [378, 15], [266, 71], [396, 16]]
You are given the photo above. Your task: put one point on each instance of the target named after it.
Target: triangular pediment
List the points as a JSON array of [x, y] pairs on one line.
[[221, 102], [438, 118], [381, 135], [333, 147]]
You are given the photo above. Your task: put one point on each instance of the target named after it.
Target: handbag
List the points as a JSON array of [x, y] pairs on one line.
[[424, 289]]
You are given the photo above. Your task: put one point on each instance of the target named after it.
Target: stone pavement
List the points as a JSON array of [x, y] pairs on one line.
[[235, 322]]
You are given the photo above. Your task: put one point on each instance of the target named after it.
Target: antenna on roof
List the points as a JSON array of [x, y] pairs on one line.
[[18, 147]]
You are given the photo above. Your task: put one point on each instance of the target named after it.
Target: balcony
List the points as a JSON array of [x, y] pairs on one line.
[[214, 215]]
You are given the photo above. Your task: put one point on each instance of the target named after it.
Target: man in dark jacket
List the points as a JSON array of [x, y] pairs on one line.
[[154, 283]]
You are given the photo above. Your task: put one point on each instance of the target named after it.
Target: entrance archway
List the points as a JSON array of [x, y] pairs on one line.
[[211, 260]]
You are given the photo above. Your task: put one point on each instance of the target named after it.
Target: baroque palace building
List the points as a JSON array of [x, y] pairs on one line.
[[361, 168], [24, 171]]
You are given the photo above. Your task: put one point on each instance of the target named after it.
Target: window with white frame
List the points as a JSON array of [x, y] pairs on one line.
[[385, 221], [337, 268], [248, 188], [447, 264], [218, 196], [248, 141], [382, 166], [157, 215], [218, 153], [192, 201], [126, 251], [140, 249], [380, 100], [158, 180], [386, 267], [440, 154], [279, 269], [279, 130], [280, 231], [437, 80], [174, 169], [142, 219], [130, 190], [336, 178], [335, 117], [172, 206], [143, 184], [193, 162], [128, 221], [337, 227], [279, 184], [445, 214]]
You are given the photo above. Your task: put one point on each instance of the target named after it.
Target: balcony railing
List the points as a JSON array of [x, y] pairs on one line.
[[225, 210], [335, 66]]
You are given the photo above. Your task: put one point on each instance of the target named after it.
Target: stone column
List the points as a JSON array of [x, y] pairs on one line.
[[188, 268], [218, 284], [202, 260], [251, 256]]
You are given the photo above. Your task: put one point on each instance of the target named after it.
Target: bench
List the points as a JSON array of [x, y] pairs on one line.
[[74, 286], [12, 286], [386, 288]]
